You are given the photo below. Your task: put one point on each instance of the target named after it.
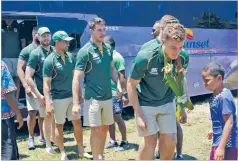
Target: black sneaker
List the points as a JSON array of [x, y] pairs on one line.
[[42, 141], [111, 144], [31, 143], [123, 146], [157, 155], [179, 157]]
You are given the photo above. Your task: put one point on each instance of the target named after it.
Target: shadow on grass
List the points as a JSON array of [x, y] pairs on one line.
[[72, 152], [128, 113], [133, 146], [68, 140], [73, 148], [188, 157], [22, 156], [40, 146]]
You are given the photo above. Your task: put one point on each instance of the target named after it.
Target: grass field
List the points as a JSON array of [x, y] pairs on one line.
[[195, 147]]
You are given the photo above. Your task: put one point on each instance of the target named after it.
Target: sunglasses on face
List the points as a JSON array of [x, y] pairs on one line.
[[154, 30]]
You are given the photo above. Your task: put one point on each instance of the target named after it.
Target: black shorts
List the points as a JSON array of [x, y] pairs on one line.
[[9, 143]]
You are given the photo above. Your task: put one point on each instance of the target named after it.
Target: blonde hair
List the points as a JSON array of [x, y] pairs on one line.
[[95, 21], [174, 31]]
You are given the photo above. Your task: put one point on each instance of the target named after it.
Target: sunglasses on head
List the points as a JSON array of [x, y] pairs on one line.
[[172, 21]]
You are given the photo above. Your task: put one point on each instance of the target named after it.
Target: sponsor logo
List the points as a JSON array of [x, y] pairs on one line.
[[189, 34], [190, 43]]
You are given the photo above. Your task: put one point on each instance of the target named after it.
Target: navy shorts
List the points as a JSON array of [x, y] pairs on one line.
[[117, 105]]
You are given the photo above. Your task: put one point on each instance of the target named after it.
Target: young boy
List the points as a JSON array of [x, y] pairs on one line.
[[223, 114]]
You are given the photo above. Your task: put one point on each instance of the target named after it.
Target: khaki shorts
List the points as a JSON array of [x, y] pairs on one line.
[[160, 118], [98, 113], [31, 103], [63, 110], [40, 108]]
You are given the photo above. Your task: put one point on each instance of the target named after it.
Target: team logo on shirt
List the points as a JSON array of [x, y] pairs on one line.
[[154, 71], [42, 59], [95, 56], [58, 65]]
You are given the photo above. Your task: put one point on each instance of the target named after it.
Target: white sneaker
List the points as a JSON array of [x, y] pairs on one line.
[[64, 157], [50, 150], [86, 155]]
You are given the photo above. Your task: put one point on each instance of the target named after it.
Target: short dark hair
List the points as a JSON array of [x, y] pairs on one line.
[[215, 69], [95, 21], [168, 19], [110, 40], [157, 21], [35, 29]]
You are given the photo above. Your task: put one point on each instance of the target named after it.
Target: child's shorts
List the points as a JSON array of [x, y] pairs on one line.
[[230, 153]]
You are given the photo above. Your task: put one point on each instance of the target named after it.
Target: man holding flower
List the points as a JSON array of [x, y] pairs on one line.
[[151, 92]]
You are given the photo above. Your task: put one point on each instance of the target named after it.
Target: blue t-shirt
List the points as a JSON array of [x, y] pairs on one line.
[[223, 104]]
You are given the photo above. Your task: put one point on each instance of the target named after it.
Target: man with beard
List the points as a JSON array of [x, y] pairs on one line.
[[94, 60], [31, 105], [152, 99], [58, 71], [34, 70]]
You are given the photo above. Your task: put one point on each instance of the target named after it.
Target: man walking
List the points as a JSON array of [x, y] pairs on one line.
[[30, 101], [34, 70], [94, 60], [152, 99], [58, 71], [157, 33]]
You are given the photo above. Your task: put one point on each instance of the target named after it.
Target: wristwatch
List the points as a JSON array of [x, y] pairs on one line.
[[125, 94]]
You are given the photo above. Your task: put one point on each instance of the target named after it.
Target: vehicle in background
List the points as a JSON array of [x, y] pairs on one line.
[[211, 29]]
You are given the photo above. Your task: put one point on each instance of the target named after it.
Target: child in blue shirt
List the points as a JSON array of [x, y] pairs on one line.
[[223, 114]]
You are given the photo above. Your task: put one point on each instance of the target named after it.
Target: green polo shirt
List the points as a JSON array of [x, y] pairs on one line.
[[119, 64], [147, 67], [96, 67], [61, 73], [150, 43], [35, 61], [24, 55]]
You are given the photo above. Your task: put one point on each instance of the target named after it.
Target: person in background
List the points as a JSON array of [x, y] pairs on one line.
[[13, 41], [119, 98], [9, 109]]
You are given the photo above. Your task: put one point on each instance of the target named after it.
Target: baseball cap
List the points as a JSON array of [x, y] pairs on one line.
[[61, 35], [43, 30]]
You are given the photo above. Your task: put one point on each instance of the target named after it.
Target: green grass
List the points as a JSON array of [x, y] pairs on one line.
[[195, 146]]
